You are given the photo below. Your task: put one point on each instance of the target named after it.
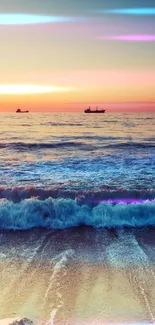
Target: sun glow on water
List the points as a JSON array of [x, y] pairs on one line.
[[30, 89]]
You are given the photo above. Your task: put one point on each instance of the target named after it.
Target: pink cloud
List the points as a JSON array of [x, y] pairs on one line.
[[131, 38]]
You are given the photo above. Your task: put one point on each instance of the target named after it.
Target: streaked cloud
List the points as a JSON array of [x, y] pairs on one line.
[[130, 38], [25, 19], [129, 11], [30, 89]]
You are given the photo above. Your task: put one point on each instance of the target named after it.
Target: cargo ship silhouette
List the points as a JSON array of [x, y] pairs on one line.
[[20, 111], [88, 110]]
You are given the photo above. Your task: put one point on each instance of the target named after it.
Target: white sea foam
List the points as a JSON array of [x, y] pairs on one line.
[[57, 263]]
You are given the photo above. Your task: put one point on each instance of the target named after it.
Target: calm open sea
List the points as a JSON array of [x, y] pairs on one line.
[[78, 151]]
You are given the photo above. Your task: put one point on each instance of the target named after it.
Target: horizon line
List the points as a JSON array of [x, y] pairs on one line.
[[82, 111]]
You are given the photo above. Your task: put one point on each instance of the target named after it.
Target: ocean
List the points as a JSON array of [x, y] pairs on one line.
[[77, 218]]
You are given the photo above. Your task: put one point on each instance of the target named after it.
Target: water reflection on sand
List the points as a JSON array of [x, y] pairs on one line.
[[78, 276]]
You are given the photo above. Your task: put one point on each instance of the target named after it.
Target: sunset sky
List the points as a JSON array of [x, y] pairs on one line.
[[63, 55]]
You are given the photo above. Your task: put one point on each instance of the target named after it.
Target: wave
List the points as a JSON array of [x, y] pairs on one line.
[[17, 194], [150, 139], [22, 146], [92, 137], [45, 145], [61, 124], [127, 145], [68, 213], [81, 124]]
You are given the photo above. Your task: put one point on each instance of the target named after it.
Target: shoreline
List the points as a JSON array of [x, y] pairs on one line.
[[79, 276]]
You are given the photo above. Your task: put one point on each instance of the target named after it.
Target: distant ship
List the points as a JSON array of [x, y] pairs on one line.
[[88, 110], [20, 111]]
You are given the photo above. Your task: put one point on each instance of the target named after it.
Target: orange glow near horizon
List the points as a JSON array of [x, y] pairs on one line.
[[115, 90]]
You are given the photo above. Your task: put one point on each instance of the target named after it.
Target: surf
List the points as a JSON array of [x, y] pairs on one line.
[[67, 213]]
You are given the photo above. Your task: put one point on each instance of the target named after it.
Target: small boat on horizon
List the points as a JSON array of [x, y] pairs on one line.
[[88, 110], [20, 111]]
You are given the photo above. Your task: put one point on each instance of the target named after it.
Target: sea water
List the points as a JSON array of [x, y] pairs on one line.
[[77, 201]]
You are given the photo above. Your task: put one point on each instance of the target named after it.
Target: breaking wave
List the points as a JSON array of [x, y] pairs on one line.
[[68, 213]]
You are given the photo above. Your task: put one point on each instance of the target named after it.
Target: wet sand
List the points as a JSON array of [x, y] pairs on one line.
[[78, 276]]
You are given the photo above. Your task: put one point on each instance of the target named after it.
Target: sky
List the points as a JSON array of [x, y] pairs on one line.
[[66, 55]]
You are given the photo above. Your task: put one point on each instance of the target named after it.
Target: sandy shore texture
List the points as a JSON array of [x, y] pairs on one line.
[[78, 276]]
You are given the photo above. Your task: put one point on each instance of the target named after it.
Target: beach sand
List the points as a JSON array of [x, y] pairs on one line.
[[78, 276]]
